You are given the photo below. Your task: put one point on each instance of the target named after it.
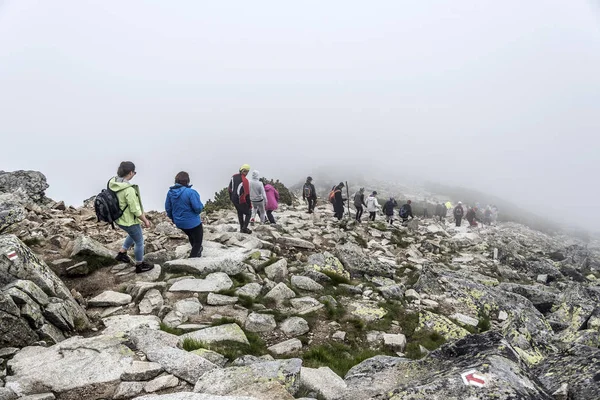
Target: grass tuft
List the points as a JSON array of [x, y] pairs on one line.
[[168, 329]]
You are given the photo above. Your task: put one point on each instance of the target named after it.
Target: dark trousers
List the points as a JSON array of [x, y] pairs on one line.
[[372, 216], [458, 219], [311, 204], [195, 235], [359, 212], [244, 214], [339, 211], [270, 216]]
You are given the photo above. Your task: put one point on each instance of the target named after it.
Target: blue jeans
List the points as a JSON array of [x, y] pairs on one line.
[[134, 235]]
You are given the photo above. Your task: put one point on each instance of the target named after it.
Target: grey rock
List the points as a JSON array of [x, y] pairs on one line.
[[323, 381], [121, 325], [220, 300], [215, 334], [151, 303], [280, 293], [41, 396], [188, 307], [412, 294], [11, 211], [8, 352], [286, 347], [85, 246], [141, 371], [7, 394], [394, 292], [260, 322], [139, 289], [127, 390], [161, 383], [215, 258], [79, 269], [211, 356], [575, 366], [305, 283], [32, 312], [465, 319], [31, 183], [294, 326], [395, 341], [227, 380], [14, 331], [357, 262], [295, 242], [31, 289], [59, 314], [110, 298], [214, 282], [173, 319], [438, 375], [251, 290], [50, 334], [71, 367], [193, 396], [277, 271], [339, 335]]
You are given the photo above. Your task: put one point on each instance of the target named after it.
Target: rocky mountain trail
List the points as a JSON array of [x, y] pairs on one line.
[[307, 308]]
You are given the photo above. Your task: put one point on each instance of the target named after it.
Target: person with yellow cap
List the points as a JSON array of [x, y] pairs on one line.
[[239, 193]]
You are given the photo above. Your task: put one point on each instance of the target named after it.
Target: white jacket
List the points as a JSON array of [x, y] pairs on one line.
[[372, 204], [257, 189]]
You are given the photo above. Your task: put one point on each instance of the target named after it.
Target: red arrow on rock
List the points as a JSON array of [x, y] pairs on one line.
[[473, 378]]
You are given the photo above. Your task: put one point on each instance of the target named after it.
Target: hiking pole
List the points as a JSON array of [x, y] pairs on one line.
[[348, 196]]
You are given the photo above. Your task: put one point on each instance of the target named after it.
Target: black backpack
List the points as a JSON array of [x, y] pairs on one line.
[[307, 191], [107, 207], [404, 211]]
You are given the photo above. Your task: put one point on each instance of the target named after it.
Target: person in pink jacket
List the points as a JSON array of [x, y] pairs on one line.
[[272, 201]]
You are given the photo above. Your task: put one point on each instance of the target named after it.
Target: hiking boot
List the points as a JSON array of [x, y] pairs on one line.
[[123, 257], [143, 267], [247, 231]]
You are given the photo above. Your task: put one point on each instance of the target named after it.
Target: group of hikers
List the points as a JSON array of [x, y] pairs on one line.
[[121, 204], [372, 205]]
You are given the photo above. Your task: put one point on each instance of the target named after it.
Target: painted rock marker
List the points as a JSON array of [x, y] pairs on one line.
[[473, 378], [12, 255]]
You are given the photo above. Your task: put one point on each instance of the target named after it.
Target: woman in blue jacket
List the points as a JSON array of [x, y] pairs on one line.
[[183, 207]]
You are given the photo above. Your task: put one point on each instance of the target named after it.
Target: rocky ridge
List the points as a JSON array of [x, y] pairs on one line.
[[309, 308]]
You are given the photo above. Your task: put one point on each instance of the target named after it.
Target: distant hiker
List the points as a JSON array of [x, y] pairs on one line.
[[239, 193], [133, 213], [440, 211], [425, 211], [406, 211], [272, 201], [472, 216], [388, 210], [183, 207], [487, 216], [335, 197], [258, 197], [359, 202], [372, 205], [458, 213], [494, 213], [309, 194]]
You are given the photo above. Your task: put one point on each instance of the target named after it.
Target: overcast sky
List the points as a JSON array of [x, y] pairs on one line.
[[501, 96]]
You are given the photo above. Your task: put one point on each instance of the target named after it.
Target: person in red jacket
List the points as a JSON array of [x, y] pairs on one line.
[[239, 193]]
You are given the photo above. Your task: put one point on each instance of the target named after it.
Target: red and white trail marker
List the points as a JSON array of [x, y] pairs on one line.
[[473, 378], [12, 255]]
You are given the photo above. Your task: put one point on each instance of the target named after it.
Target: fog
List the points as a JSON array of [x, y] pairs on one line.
[[498, 96]]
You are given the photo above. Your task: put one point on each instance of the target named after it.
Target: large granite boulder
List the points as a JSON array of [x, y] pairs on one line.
[[76, 368], [32, 183]]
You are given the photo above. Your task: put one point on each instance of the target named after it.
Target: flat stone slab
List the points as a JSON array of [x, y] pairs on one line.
[[215, 334], [323, 381], [71, 367], [286, 347], [141, 371], [215, 258], [193, 396], [214, 282], [121, 325], [109, 299], [220, 300]]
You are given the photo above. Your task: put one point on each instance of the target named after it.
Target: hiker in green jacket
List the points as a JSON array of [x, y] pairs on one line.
[[133, 215]]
